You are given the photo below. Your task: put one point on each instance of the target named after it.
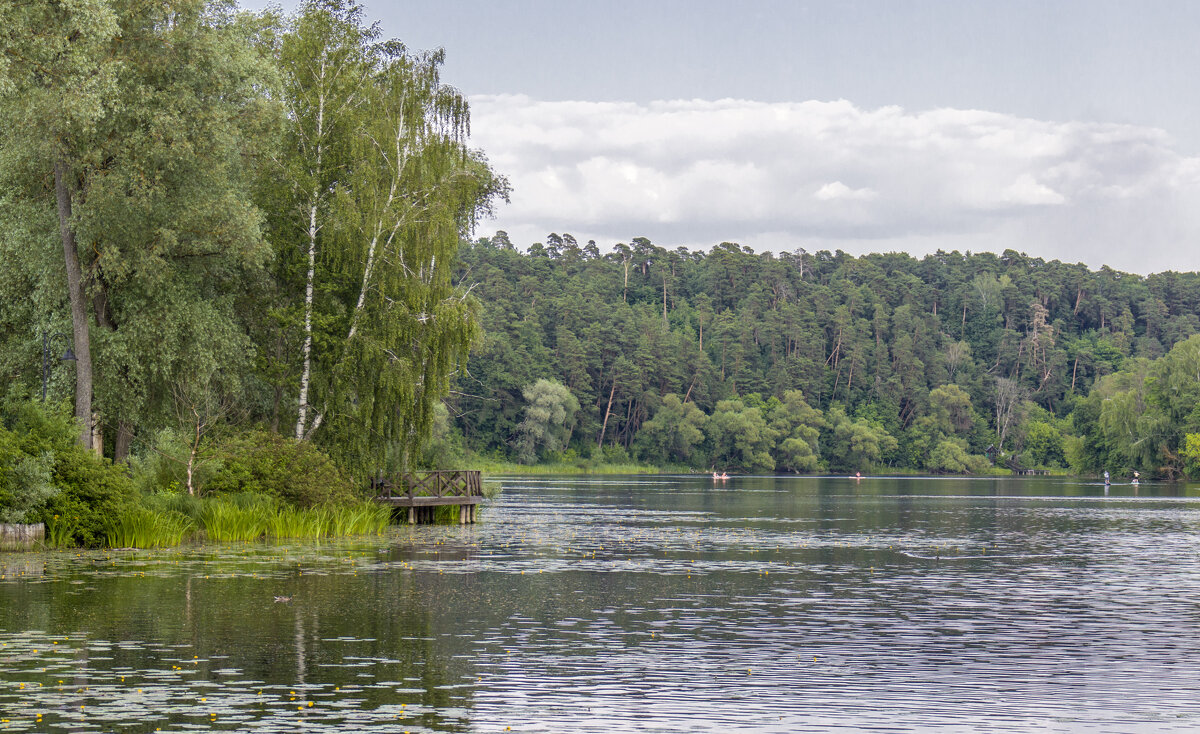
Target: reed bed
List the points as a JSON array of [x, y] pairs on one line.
[[229, 520], [169, 519], [143, 527], [244, 518]]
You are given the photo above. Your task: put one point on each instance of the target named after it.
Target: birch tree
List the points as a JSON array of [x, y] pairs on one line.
[[326, 65], [385, 188]]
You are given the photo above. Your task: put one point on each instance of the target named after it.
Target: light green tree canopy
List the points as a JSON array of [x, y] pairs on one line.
[[549, 418], [382, 188], [674, 432]]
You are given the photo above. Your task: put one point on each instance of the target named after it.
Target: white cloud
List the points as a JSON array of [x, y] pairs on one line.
[[838, 190], [829, 175]]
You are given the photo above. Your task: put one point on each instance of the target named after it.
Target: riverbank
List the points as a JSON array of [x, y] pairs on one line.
[[492, 468], [506, 468]]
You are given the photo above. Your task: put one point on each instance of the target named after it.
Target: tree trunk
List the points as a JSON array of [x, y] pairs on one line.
[[607, 412], [79, 324], [97, 435], [302, 416], [666, 324], [305, 376], [124, 440]]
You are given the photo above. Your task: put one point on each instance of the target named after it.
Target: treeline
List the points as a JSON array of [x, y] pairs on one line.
[[818, 361]]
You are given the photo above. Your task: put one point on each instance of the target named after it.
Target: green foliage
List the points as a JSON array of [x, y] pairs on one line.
[[856, 444], [141, 527], [237, 518], [257, 252], [798, 426], [739, 436], [1191, 455], [1044, 444], [296, 472], [674, 433], [26, 482], [549, 420], [893, 339], [950, 406], [445, 449], [364, 518], [378, 188], [1139, 418], [46, 477], [162, 464], [92, 491], [950, 456], [153, 119]]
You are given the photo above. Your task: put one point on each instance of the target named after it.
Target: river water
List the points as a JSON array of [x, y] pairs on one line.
[[642, 604]]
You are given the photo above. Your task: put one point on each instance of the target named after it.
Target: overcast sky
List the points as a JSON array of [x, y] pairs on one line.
[[1067, 130]]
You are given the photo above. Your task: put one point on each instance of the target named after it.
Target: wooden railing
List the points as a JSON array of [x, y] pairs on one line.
[[434, 484]]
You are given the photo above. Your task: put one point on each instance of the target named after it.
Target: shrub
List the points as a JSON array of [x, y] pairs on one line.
[[46, 477], [26, 483], [163, 464], [296, 472], [92, 492]]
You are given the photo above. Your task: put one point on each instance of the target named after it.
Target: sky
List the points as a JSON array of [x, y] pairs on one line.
[[1065, 130]]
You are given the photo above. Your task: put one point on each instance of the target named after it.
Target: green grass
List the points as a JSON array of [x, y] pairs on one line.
[[171, 518], [229, 520], [489, 467], [250, 517], [142, 527], [365, 518]]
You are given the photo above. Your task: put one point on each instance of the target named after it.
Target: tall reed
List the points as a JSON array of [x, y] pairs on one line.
[[142, 527], [235, 519], [364, 518], [297, 522]]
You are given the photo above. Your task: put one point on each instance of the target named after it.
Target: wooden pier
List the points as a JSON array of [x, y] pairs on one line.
[[421, 493]]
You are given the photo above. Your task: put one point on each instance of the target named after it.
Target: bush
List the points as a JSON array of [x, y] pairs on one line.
[[296, 472], [92, 493], [26, 483], [46, 477], [163, 464]]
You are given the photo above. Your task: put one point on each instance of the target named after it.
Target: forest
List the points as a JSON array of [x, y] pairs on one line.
[[807, 362]]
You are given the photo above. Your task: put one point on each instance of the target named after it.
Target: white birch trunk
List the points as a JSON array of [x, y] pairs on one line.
[[302, 431]]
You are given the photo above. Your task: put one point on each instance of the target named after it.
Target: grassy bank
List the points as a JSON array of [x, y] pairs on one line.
[[489, 468], [170, 519], [501, 468]]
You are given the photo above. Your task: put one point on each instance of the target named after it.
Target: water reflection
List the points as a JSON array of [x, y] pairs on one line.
[[650, 603]]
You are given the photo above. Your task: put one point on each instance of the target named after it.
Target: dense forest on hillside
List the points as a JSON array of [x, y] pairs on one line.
[[811, 361]]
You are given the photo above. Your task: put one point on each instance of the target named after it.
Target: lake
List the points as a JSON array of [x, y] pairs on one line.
[[661, 603]]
